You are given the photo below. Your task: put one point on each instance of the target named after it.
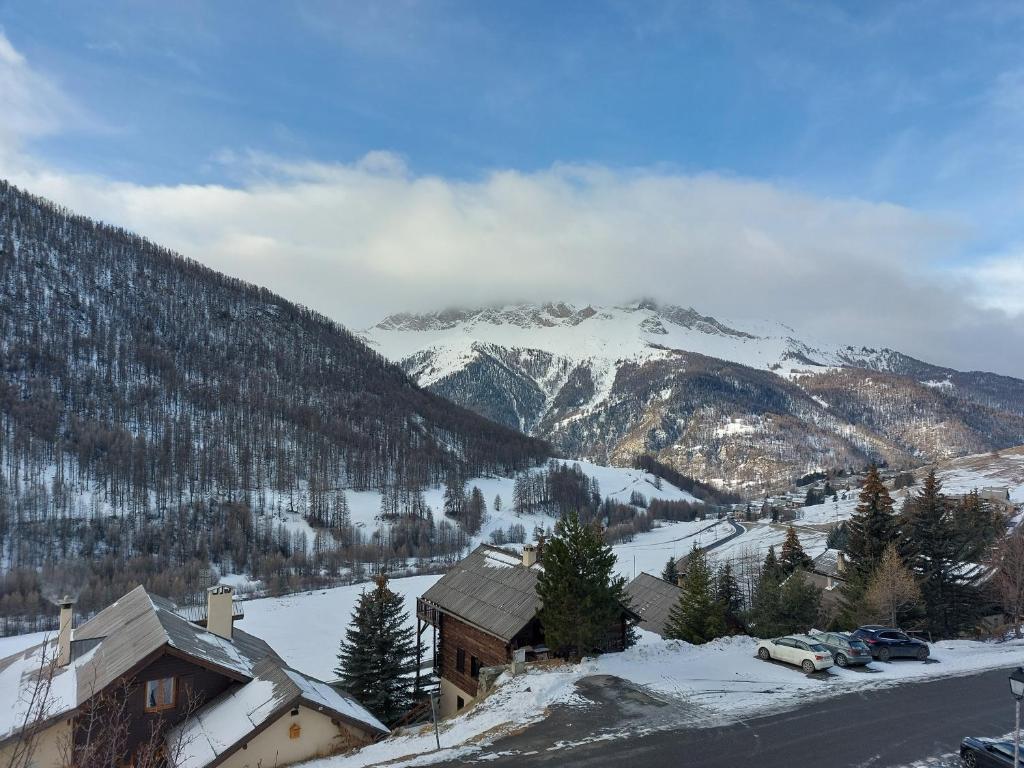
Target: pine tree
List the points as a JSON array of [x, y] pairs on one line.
[[771, 569], [454, 496], [764, 609], [377, 657], [871, 528], [727, 590], [936, 553], [497, 502], [474, 511], [671, 572], [698, 616], [799, 604], [793, 555], [581, 597]]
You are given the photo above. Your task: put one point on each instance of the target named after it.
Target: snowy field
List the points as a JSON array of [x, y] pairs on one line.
[[760, 536], [650, 551], [306, 628], [985, 470], [724, 679]]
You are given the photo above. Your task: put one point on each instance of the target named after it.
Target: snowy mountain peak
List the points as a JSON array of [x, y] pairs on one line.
[[639, 330]]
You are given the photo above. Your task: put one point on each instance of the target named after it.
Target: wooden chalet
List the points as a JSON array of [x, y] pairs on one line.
[[483, 613], [216, 696], [652, 599]]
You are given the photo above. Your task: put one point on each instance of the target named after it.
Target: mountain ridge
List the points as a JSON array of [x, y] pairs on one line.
[[608, 382]]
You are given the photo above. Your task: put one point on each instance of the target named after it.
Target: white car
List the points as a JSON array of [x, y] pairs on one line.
[[801, 650]]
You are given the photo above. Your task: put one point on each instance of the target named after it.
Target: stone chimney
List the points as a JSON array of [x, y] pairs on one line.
[[680, 578], [219, 610], [66, 628], [841, 562], [529, 555]]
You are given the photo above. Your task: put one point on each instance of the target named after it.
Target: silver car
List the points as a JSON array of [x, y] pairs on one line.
[[846, 651]]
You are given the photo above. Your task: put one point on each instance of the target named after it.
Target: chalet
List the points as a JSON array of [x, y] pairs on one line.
[[210, 694], [651, 599], [484, 614], [828, 573]]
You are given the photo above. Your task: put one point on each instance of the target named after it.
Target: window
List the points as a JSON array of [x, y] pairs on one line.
[[459, 703], [474, 667], [159, 694], [294, 731], [460, 660]]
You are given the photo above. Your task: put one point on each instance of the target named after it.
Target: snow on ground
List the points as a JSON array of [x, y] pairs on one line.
[[306, 628], [650, 551], [1004, 469], [723, 678], [759, 536], [830, 511], [617, 483]]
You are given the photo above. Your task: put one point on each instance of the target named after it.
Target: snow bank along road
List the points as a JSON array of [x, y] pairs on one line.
[[885, 727]]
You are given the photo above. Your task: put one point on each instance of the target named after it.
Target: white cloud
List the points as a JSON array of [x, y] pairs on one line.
[[358, 241], [31, 104], [999, 283]]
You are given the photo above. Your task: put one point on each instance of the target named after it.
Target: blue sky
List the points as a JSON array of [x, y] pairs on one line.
[[914, 110]]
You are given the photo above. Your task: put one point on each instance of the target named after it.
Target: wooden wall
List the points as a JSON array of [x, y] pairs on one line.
[[488, 649], [193, 682]]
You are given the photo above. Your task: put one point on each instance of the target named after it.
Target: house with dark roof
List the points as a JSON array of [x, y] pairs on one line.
[[213, 694], [652, 598], [828, 573], [483, 613]]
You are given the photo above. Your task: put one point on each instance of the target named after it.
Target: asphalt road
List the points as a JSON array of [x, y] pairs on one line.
[[908, 724]]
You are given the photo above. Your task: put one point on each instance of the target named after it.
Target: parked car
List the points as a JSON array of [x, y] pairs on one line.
[[845, 650], [801, 650], [977, 752], [887, 643]]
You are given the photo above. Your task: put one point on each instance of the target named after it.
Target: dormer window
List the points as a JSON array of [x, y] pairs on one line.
[[159, 694]]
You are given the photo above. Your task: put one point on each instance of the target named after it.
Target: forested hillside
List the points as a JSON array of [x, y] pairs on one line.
[[155, 415]]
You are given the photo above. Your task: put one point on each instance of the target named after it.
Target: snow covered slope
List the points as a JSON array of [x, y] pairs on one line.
[[750, 404]]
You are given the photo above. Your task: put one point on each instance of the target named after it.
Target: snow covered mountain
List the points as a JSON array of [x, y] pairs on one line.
[[748, 404]]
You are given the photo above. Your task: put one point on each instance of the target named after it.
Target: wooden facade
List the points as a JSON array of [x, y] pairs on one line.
[[194, 685]]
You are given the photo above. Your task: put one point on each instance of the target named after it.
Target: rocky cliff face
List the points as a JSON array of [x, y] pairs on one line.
[[749, 405]]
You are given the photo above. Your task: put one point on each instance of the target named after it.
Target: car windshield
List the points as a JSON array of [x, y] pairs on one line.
[[858, 645], [818, 648]]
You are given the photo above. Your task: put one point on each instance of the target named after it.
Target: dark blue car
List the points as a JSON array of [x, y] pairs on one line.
[[887, 643], [977, 752]]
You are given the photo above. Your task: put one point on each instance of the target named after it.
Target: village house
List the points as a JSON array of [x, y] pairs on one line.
[[212, 694], [828, 573], [484, 614], [652, 599]]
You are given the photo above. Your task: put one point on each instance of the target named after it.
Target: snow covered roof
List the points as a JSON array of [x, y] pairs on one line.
[[234, 718], [124, 636], [827, 564], [490, 589], [651, 599]]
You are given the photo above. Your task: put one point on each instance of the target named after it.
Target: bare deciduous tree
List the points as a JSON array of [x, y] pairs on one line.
[[1007, 564], [38, 705], [892, 591]]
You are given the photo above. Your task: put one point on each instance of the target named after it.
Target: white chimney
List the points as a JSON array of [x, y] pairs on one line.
[[219, 610], [529, 555], [66, 627]]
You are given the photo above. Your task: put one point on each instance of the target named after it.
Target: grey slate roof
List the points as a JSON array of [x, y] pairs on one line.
[[652, 599], [827, 564], [490, 589]]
